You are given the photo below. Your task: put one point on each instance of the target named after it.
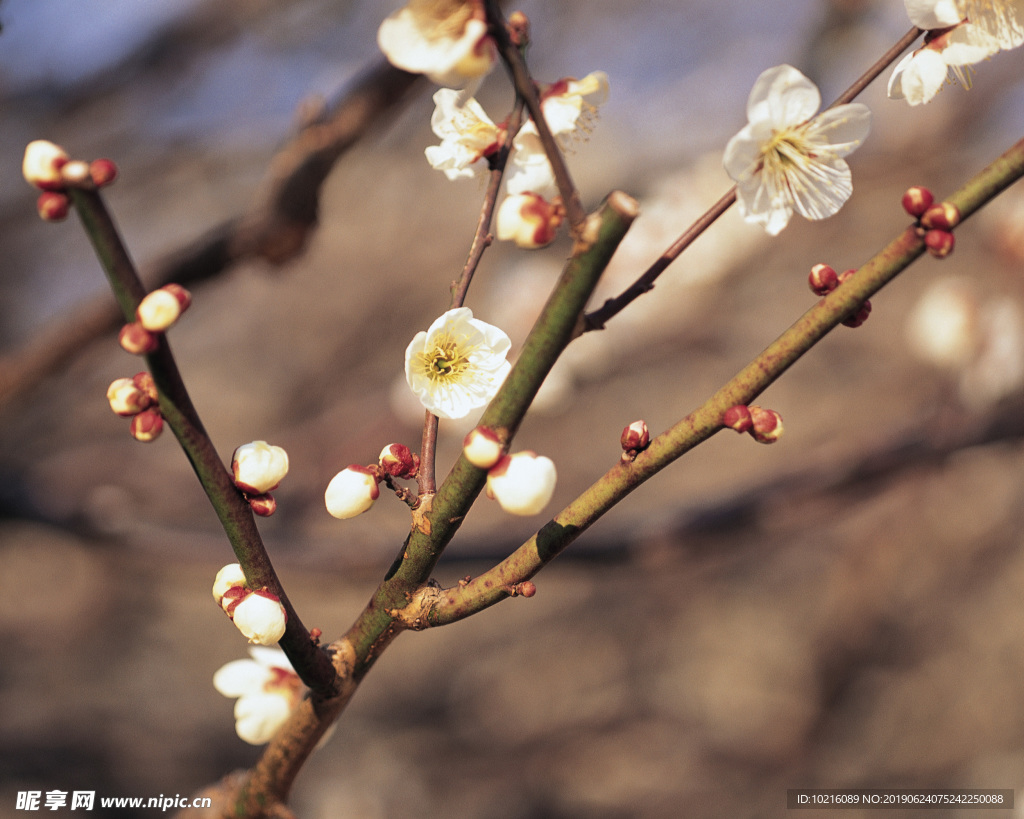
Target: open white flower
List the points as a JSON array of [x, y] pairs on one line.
[[267, 688], [570, 105], [467, 135], [458, 364], [445, 39], [786, 158], [1001, 22], [919, 76]]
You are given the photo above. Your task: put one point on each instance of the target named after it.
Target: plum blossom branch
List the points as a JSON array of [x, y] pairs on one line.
[[471, 596], [313, 666], [596, 319], [524, 85]]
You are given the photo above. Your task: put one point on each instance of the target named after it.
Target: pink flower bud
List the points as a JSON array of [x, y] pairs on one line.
[[917, 200], [261, 618], [822, 279], [52, 206], [351, 492], [263, 505], [75, 173], [635, 437], [42, 163], [144, 381], [147, 425], [943, 215], [528, 219], [258, 467], [738, 418], [230, 577], [398, 461], [103, 172], [482, 447], [137, 340], [522, 483], [767, 425], [940, 243], [160, 309], [126, 398]]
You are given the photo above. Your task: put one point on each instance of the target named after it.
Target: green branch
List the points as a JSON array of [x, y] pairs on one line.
[[456, 603]]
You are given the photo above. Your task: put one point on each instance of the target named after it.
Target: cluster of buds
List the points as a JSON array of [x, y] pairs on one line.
[[49, 168], [935, 220], [257, 468], [823, 279], [258, 613], [764, 425], [522, 482], [355, 489], [156, 314], [635, 439], [136, 398]]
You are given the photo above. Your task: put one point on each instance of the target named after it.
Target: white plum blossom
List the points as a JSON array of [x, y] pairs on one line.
[[467, 135], [999, 22], [920, 75], [458, 364], [445, 39], [259, 467], [570, 105], [351, 492], [267, 689], [786, 158], [522, 483]]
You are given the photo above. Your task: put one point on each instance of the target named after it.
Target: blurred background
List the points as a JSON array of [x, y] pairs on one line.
[[842, 609]]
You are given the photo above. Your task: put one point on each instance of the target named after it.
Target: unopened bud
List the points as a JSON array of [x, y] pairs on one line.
[[42, 163], [940, 243], [263, 505], [103, 172], [527, 588], [917, 200], [230, 577], [860, 316], [519, 29], [351, 492], [528, 219], [261, 618], [75, 173], [161, 308], [482, 447], [822, 279], [147, 425], [144, 381], [942, 215], [52, 206], [137, 340], [398, 461], [258, 467], [767, 425], [846, 275], [738, 418], [126, 398], [522, 483], [635, 437]]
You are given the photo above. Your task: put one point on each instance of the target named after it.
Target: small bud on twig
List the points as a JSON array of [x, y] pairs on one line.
[[42, 163], [137, 340], [263, 505], [351, 492], [767, 425], [522, 483], [398, 461], [822, 279], [147, 425], [917, 200], [52, 206], [940, 243], [482, 447], [103, 172], [738, 418], [126, 398], [943, 215], [159, 310], [75, 173], [859, 317], [258, 467]]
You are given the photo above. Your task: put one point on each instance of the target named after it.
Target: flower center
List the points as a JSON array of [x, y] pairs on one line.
[[446, 361], [787, 149]]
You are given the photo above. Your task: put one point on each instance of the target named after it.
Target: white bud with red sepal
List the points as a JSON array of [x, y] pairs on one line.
[[351, 492], [522, 483]]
